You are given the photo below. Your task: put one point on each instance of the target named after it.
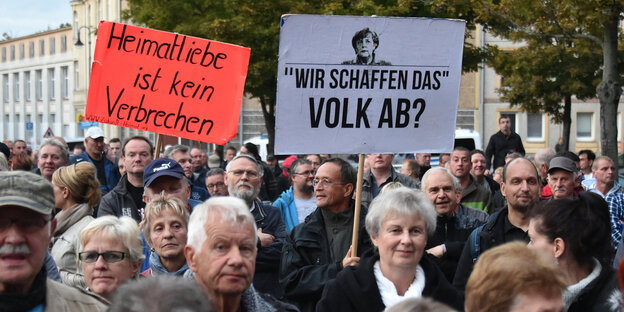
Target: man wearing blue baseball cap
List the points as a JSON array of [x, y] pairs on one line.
[[165, 175]]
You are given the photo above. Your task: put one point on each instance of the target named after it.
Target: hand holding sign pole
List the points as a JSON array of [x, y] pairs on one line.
[[167, 83]]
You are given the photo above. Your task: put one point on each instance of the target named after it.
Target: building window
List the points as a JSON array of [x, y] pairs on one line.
[[27, 86], [51, 84], [5, 87], [12, 53], [41, 47], [76, 75], [63, 43], [4, 54], [39, 78], [535, 127], [16, 87], [22, 51], [52, 45], [31, 49], [65, 82], [584, 126]]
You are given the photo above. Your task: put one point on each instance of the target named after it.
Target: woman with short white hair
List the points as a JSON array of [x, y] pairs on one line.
[[111, 253], [398, 222]]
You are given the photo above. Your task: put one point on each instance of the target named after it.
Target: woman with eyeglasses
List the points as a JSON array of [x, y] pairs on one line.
[[111, 253], [576, 234], [76, 191], [165, 228]]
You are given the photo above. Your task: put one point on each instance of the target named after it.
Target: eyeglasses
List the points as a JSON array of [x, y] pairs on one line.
[[108, 256], [218, 184], [26, 225], [306, 173], [325, 182], [250, 174]]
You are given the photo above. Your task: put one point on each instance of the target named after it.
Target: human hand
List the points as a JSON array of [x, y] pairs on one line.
[[265, 239], [349, 260]]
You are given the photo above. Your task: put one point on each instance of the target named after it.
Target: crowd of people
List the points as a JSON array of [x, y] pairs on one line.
[[112, 227]]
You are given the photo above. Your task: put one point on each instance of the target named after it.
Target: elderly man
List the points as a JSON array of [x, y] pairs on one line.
[[243, 178], [126, 199], [501, 143], [52, 155], [455, 221], [180, 153], [26, 224], [318, 249], [473, 194], [562, 177], [521, 187], [541, 160], [380, 173], [215, 182], [221, 251], [107, 173], [298, 201]]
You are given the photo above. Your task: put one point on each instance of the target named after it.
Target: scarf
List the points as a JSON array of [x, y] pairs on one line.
[[252, 302], [158, 268], [25, 302], [66, 218]]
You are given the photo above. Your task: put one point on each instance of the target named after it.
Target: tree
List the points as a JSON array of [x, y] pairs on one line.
[[255, 24], [543, 75], [596, 22]]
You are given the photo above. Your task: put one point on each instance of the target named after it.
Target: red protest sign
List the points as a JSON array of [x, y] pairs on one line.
[[167, 83]]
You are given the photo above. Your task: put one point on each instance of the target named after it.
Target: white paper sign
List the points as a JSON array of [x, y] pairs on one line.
[[350, 84]]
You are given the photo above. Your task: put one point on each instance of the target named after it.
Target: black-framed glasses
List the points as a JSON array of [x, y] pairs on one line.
[[306, 173], [325, 182], [108, 256], [218, 184], [26, 225]]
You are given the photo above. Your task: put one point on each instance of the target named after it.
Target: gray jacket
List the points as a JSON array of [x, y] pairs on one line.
[[61, 298]]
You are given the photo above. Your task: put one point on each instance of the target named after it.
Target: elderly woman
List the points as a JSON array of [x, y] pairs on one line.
[[165, 228], [76, 190], [111, 253], [576, 234], [399, 222]]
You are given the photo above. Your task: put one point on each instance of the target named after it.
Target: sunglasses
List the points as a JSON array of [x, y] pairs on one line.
[[108, 256]]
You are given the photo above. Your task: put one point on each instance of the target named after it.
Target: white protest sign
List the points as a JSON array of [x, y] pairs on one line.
[[350, 84]]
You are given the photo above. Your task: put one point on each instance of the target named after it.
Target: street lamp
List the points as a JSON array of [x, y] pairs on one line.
[[79, 43]]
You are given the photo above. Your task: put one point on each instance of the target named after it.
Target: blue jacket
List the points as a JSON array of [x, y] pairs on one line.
[[110, 170], [286, 205]]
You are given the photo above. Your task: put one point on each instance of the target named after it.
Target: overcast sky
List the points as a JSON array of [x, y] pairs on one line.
[[25, 17]]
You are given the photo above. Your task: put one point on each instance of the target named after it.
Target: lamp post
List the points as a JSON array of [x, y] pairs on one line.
[[79, 43]]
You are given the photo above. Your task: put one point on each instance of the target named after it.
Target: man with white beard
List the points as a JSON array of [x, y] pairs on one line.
[[244, 178]]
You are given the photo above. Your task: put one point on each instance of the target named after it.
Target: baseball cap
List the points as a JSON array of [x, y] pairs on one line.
[[214, 161], [95, 132], [564, 163], [26, 189], [162, 167]]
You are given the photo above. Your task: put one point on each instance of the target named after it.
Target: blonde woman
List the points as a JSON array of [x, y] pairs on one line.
[[76, 191]]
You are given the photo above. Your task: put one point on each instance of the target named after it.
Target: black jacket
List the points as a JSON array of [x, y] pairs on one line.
[[118, 202], [499, 146], [306, 261], [491, 235], [355, 288], [453, 233], [602, 294], [266, 277]]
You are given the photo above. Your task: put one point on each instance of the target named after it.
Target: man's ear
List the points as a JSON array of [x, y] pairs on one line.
[[348, 189], [559, 247], [189, 254]]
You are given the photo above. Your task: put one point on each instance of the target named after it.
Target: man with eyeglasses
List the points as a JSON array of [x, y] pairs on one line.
[[298, 201], [316, 250], [243, 179], [215, 182], [26, 226]]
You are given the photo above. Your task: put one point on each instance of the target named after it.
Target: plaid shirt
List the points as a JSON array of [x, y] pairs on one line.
[[615, 199]]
